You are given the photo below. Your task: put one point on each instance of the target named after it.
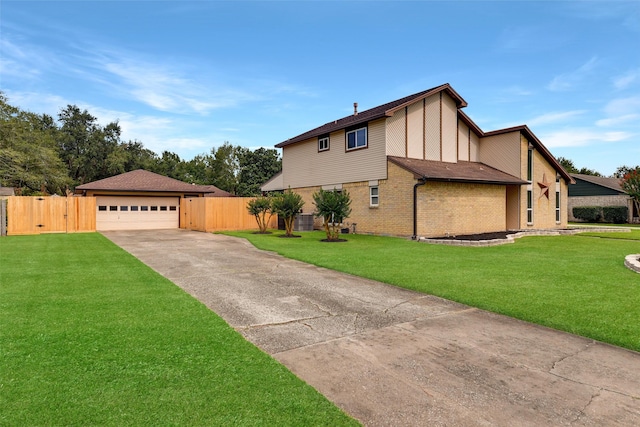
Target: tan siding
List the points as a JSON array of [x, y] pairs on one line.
[[449, 129], [304, 166], [432, 121], [395, 130], [415, 127], [463, 141], [474, 147], [502, 152]]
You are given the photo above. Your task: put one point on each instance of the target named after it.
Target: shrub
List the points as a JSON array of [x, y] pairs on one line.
[[260, 207], [287, 205], [588, 213], [615, 214], [333, 207]]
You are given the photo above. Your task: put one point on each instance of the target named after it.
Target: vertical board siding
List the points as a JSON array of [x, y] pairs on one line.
[[415, 128], [502, 152], [395, 132], [219, 214], [463, 141], [474, 147], [449, 129], [304, 166], [432, 127], [35, 215]]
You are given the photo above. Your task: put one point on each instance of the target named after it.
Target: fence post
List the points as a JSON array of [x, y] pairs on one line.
[[3, 217]]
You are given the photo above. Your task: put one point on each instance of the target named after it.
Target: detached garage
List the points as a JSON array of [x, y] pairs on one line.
[[142, 200]]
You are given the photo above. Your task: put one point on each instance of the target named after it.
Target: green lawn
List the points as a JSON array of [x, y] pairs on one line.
[[90, 336], [573, 283]]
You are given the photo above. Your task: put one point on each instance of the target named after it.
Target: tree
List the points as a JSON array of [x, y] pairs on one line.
[[256, 167], [29, 160], [623, 170], [630, 183], [224, 167], [567, 165], [260, 207], [287, 205], [333, 207]]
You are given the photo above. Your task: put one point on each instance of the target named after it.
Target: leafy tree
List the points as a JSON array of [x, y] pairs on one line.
[[256, 167], [623, 170], [287, 205], [333, 207], [630, 183], [567, 165], [29, 160], [224, 167], [260, 207]]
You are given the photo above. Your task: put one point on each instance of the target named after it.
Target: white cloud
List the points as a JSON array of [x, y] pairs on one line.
[[625, 80], [554, 117], [580, 137], [623, 106], [568, 81], [619, 120]]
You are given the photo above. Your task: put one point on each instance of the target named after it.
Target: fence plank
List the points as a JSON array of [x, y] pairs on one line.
[[35, 215]]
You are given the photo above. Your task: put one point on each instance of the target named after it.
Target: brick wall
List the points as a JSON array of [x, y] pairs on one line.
[[621, 200]]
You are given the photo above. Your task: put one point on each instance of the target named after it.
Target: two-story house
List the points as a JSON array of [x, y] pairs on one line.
[[419, 166]]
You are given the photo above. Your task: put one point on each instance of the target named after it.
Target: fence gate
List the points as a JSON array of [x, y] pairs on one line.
[[35, 215]]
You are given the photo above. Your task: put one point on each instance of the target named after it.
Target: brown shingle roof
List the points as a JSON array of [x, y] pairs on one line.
[[612, 183], [142, 180], [374, 113], [469, 172]]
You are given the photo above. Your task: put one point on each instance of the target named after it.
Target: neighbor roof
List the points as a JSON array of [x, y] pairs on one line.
[[7, 191], [612, 183], [469, 172], [374, 113], [142, 180]]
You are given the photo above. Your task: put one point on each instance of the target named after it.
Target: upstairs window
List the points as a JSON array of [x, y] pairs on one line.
[[530, 164], [323, 143], [357, 138]]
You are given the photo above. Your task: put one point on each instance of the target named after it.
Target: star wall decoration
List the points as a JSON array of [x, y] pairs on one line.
[[544, 186]]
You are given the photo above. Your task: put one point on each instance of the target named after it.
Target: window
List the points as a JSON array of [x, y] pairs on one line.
[[558, 201], [529, 206], [530, 164], [323, 143], [172, 208], [124, 208], [102, 208], [163, 208], [113, 208], [144, 208], [357, 139], [134, 208], [374, 198], [154, 208]]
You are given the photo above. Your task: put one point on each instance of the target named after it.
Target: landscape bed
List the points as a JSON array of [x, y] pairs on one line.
[[576, 283], [91, 336]]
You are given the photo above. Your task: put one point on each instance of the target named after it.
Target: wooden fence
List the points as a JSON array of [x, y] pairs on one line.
[[218, 214], [35, 215]]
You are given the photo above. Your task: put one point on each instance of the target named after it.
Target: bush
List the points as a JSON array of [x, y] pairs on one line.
[[287, 205], [588, 213], [260, 208], [615, 214], [333, 207]]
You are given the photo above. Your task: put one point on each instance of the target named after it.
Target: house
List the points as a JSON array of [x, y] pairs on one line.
[[141, 199], [598, 191], [419, 166]]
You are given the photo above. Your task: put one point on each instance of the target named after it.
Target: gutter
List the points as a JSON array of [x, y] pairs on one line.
[[421, 181]]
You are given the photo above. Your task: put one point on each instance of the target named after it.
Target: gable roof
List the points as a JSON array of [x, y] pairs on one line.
[[468, 172], [142, 180], [384, 110], [611, 183], [524, 129]]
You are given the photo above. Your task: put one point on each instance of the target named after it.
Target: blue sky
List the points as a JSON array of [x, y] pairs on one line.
[[187, 76]]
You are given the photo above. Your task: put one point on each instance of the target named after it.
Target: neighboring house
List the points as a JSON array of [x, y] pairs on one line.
[[141, 199], [598, 191], [6, 192], [419, 166]]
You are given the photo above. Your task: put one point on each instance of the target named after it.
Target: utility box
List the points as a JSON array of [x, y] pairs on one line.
[[303, 222]]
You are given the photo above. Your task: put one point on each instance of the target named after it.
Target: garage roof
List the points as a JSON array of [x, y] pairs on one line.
[[142, 180]]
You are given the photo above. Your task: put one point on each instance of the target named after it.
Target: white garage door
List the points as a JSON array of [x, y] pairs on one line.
[[137, 213]]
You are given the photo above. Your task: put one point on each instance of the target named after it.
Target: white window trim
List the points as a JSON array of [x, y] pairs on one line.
[[320, 141], [372, 196], [558, 203], [355, 131]]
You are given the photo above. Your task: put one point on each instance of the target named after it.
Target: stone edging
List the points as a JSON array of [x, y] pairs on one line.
[[632, 262], [511, 237]]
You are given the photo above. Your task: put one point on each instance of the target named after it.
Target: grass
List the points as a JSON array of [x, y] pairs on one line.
[[575, 283], [91, 336]]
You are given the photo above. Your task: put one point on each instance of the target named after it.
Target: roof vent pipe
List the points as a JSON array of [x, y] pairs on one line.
[[355, 108]]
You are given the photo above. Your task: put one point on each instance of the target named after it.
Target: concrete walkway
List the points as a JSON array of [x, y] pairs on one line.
[[392, 357]]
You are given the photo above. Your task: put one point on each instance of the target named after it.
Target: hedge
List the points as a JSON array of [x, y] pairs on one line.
[[611, 214]]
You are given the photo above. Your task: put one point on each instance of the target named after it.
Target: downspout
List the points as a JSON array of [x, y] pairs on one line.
[[421, 181]]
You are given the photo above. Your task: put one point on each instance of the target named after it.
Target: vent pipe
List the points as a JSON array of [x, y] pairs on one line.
[[355, 108]]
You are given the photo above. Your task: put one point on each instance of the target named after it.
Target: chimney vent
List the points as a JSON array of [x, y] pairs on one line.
[[355, 108]]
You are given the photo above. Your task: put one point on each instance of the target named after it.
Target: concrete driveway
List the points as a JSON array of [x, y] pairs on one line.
[[389, 356]]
